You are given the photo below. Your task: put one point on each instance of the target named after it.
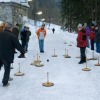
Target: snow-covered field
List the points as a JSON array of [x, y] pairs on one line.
[[71, 83]]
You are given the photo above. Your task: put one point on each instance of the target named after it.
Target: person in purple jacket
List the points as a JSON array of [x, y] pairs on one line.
[[87, 33]]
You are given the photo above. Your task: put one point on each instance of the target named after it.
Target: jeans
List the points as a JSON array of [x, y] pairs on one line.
[[26, 45], [92, 44], [98, 47], [88, 41], [6, 72], [41, 45]]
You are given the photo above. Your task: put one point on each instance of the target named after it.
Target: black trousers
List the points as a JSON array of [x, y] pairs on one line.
[[6, 72], [23, 44], [92, 44], [82, 52], [1, 64]]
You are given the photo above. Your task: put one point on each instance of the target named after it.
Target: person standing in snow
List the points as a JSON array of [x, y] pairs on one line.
[[97, 39], [92, 36], [16, 30], [87, 33], [24, 37], [27, 38], [41, 34], [8, 42], [82, 42], [53, 30]]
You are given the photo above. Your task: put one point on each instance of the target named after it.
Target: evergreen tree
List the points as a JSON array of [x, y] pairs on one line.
[[79, 11]]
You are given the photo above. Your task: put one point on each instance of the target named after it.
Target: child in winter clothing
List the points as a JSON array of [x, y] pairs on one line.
[[82, 42]]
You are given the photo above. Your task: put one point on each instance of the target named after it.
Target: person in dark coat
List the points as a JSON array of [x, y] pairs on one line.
[[8, 42], [92, 36], [27, 39], [24, 37], [16, 30], [97, 39], [82, 43], [87, 33], [53, 30]]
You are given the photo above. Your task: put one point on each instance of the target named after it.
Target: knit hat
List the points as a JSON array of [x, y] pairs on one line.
[[17, 24], [85, 24], [79, 25], [43, 25]]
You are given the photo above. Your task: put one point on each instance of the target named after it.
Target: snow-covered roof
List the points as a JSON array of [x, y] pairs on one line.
[[22, 2]]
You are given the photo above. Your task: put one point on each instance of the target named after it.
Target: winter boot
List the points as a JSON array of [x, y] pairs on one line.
[[21, 56], [82, 61], [6, 84]]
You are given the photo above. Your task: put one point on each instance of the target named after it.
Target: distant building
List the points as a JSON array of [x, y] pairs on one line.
[[13, 11]]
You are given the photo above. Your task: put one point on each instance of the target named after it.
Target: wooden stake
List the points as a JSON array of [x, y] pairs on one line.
[[86, 68]]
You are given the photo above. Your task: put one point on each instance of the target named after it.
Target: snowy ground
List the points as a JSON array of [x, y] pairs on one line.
[[71, 83]]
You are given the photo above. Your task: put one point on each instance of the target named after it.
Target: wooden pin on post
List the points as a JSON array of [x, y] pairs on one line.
[[86, 68], [19, 73], [93, 58], [67, 56], [54, 54], [65, 42], [70, 44], [48, 84], [39, 64], [98, 64], [36, 61], [33, 63], [65, 53]]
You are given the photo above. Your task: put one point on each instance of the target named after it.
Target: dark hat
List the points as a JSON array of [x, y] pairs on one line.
[[25, 27], [17, 24], [43, 25]]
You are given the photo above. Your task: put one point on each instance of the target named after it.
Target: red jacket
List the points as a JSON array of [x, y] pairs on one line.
[[92, 35], [82, 39]]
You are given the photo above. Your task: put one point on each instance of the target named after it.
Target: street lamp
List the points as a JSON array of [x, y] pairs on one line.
[[39, 13]]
